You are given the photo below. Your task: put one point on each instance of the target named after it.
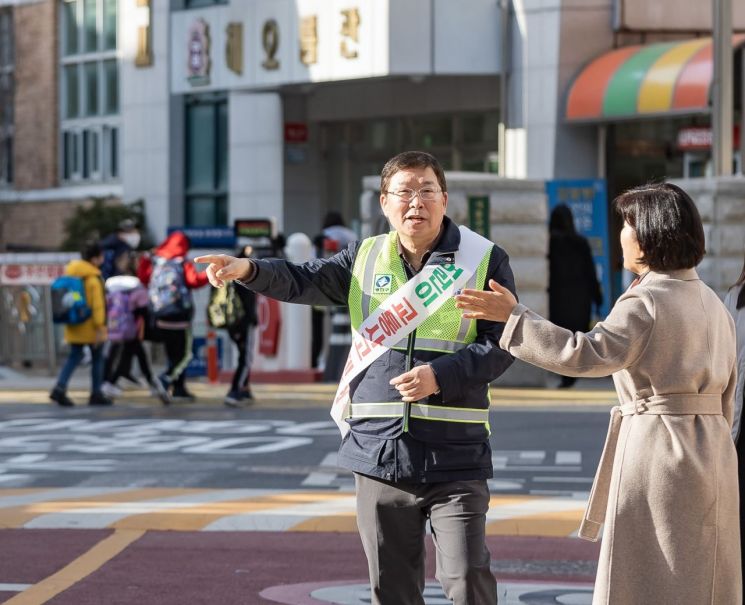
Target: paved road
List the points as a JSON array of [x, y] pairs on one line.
[[203, 504]]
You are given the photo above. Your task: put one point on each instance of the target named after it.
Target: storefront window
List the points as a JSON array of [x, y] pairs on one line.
[[206, 168], [89, 91], [359, 148]]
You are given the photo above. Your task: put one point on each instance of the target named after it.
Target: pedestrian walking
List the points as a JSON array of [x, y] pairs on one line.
[[79, 304], [413, 402], [126, 309], [735, 303], [118, 248], [170, 278], [233, 308], [334, 237], [666, 486], [573, 286]]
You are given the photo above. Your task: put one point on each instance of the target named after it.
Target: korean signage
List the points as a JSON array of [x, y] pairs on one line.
[[263, 44], [198, 53], [207, 237], [588, 201], [700, 138], [30, 274], [479, 215]]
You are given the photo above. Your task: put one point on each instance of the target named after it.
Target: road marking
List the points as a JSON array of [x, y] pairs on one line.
[[568, 457], [19, 497], [14, 587], [177, 507], [182, 509], [563, 479], [323, 479], [78, 569], [19, 516]]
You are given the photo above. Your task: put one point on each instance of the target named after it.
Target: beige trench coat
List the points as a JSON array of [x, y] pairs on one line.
[[669, 469]]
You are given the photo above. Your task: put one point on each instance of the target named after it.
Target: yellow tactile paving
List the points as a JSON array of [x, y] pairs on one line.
[[78, 569], [321, 395], [346, 523], [18, 516], [308, 511], [548, 523], [197, 516]]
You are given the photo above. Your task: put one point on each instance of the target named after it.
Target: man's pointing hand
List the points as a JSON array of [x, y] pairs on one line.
[[224, 268]]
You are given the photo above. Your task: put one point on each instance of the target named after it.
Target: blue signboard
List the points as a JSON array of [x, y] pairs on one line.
[[208, 237], [198, 364], [588, 200]]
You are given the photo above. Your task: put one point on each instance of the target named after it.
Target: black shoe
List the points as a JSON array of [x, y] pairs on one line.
[[181, 394], [567, 382], [99, 399], [60, 397]]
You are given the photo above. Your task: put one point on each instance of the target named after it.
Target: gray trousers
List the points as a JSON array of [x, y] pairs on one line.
[[392, 518]]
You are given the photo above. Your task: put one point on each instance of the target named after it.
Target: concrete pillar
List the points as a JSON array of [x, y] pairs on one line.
[[255, 148]]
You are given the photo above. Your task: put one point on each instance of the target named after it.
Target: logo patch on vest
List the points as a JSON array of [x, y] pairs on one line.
[[382, 283]]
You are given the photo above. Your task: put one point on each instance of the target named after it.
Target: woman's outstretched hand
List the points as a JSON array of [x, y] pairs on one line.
[[482, 304], [224, 268]]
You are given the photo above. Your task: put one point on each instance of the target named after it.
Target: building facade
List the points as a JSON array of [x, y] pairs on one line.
[[215, 110]]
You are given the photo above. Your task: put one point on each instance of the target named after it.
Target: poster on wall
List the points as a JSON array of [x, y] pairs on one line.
[[588, 200]]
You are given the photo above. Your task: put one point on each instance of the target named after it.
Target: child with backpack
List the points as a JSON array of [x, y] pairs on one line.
[[78, 303], [233, 308], [126, 306], [170, 279]]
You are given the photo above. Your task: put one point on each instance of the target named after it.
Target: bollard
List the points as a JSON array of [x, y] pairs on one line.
[[212, 369]]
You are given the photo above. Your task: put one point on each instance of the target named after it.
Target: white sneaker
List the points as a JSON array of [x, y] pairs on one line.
[[110, 390]]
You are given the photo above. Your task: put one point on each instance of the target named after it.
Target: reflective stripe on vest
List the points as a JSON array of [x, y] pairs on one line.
[[358, 411]]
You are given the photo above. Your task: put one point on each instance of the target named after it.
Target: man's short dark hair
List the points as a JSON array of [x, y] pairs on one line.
[[667, 223], [411, 159], [91, 250]]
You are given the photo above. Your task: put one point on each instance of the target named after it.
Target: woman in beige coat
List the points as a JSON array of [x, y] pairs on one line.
[[666, 486]]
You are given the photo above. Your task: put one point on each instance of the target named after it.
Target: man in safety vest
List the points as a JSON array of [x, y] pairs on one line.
[[413, 403]]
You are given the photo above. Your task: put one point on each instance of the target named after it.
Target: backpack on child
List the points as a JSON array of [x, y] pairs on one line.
[[124, 295], [170, 298], [69, 304], [225, 308]]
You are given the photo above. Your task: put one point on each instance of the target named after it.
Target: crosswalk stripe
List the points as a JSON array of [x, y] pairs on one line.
[[31, 515], [186, 509]]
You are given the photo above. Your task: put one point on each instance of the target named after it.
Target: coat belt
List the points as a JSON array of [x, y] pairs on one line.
[[658, 405]]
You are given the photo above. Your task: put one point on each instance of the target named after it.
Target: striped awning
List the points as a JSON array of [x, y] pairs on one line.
[[645, 80]]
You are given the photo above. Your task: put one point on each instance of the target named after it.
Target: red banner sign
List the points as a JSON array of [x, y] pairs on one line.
[[24, 275], [269, 324]]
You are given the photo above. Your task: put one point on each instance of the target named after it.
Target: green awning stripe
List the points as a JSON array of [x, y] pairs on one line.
[[622, 92]]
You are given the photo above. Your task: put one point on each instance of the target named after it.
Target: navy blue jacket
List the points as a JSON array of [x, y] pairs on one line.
[[429, 451]]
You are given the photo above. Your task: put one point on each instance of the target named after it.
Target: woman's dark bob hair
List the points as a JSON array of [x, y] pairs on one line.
[[667, 224]]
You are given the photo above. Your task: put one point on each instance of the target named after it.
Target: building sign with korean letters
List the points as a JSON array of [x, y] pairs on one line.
[[198, 49], [260, 44]]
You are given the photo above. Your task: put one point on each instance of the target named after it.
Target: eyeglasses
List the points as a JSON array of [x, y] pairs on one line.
[[427, 194]]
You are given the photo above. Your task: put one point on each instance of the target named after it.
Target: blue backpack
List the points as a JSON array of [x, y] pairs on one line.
[[169, 296], [69, 305]]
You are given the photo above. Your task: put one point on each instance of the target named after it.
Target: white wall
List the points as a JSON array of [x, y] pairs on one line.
[[255, 162], [144, 98]]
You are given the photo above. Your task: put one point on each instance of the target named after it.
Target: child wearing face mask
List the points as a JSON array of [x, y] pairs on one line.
[[118, 249]]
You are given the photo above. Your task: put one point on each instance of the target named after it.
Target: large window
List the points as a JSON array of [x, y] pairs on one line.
[[89, 91], [7, 61], [206, 168]]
